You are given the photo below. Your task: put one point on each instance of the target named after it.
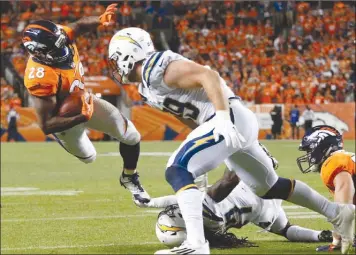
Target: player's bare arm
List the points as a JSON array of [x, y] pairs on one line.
[[223, 187], [344, 188], [89, 23], [189, 75], [50, 123]]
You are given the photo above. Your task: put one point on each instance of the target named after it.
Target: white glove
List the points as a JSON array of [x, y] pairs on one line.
[[225, 128]]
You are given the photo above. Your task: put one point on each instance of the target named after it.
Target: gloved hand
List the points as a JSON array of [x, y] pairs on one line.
[[141, 201], [87, 107], [224, 127], [105, 18]]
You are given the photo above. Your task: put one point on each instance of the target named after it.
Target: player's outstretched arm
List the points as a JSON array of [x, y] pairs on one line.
[[189, 75], [158, 202], [344, 188], [222, 188], [89, 23], [46, 106]]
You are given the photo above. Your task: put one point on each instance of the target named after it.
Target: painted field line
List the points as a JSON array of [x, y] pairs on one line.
[[151, 154], [315, 216], [73, 246], [42, 193], [78, 218], [17, 189], [60, 202]]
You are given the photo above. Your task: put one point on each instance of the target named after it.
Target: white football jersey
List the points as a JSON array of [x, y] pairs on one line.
[[191, 104], [240, 207]]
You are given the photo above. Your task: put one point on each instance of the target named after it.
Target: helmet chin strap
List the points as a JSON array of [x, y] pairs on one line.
[[315, 168]]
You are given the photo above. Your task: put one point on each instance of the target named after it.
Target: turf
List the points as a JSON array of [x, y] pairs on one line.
[[101, 218]]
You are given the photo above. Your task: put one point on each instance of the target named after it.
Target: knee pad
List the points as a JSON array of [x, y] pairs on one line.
[[131, 136], [281, 189], [179, 178], [89, 159]]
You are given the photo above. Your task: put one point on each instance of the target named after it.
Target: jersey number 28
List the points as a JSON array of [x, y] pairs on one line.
[[184, 110]]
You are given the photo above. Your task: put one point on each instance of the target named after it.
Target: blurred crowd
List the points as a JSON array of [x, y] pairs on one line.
[[267, 51]]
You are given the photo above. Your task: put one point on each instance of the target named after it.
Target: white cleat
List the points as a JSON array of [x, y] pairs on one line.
[[344, 224], [187, 248], [132, 183]]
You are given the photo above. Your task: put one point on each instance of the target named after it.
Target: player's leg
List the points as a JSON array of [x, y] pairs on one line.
[[76, 142], [198, 154], [108, 119], [281, 226], [254, 167]]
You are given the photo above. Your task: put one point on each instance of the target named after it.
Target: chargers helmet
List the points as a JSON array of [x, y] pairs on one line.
[[319, 144], [47, 43], [170, 227], [127, 47]]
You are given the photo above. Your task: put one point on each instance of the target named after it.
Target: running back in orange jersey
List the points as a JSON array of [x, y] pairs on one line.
[[339, 161], [43, 80]]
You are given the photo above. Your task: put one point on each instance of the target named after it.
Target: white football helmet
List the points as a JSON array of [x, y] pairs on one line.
[[127, 47], [170, 227]]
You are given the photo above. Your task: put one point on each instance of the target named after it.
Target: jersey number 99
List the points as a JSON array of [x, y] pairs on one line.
[[184, 110]]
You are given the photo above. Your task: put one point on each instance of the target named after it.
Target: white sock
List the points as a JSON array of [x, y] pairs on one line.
[[307, 197], [299, 234], [191, 206]]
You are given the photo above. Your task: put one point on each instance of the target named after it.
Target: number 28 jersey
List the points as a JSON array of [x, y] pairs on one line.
[[191, 104], [43, 80]]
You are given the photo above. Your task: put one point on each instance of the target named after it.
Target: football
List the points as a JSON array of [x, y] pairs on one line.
[[71, 105]]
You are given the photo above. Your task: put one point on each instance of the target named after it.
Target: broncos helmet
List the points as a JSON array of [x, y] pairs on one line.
[[319, 144], [47, 43]]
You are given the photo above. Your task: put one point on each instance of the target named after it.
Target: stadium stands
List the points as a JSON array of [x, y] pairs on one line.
[[268, 52]]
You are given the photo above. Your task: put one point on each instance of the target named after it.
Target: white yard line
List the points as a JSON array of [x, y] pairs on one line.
[[151, 154], [73, 246], [60, 202], [77, 218]]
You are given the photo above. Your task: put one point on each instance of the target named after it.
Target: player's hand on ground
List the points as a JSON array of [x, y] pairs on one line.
[[224, 127], [88, 107], [105, 18], [141, 201]]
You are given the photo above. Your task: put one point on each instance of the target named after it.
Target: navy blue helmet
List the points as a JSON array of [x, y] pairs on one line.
[[319, 144], [47, 43]]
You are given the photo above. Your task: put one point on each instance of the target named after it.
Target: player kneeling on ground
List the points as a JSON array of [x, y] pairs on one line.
[[229, 203], [54, 77], [325, 155]]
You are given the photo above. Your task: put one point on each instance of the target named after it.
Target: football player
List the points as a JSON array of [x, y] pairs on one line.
[[240, 207], [325, 155], [54, 71], [227, 132]]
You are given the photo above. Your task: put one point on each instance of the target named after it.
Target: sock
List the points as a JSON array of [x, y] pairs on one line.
[[190, 202], [307, 197], [299, 234], [130, 154], [129, 172]]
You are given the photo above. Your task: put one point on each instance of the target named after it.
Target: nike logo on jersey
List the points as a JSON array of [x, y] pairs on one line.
[[160, 65]]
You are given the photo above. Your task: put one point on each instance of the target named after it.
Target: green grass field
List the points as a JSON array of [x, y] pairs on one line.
[[68, 207]]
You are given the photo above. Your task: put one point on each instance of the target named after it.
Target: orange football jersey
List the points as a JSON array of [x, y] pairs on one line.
[[339, 161], [43, 80]]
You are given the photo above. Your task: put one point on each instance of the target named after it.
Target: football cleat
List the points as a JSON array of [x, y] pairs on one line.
[[344, 224], [132, 183], [187, 248], [325, 236]]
